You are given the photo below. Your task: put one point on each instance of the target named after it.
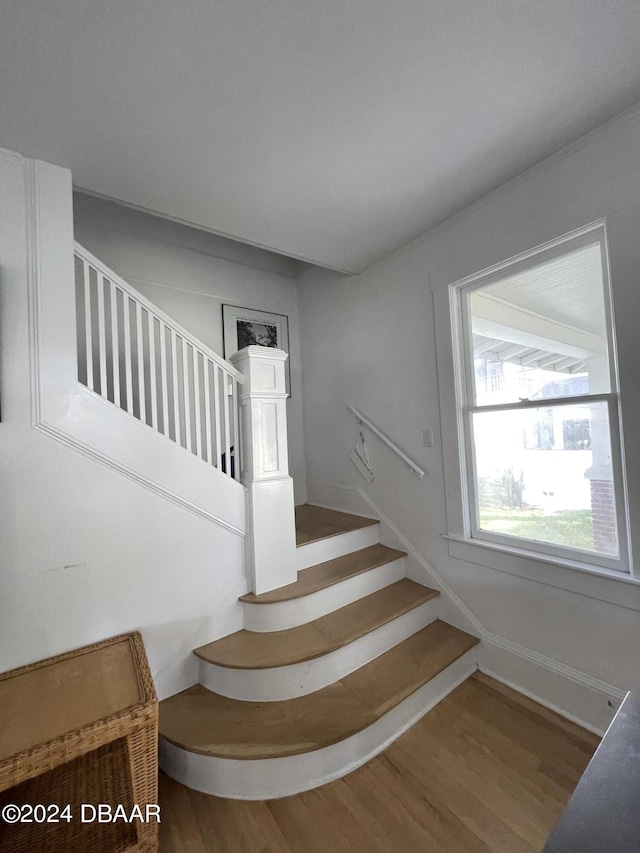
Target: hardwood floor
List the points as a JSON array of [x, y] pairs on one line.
[[486, 770]]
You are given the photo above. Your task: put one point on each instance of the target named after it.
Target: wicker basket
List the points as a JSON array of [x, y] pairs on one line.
[[78, 728]]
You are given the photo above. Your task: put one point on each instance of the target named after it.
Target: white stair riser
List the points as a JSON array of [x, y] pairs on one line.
[[262, 779], [281, 615], [287, 682], [336, 546]]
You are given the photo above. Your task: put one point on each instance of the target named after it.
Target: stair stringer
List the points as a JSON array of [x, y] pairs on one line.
[[355, 500], [67, 411], [578, 696]]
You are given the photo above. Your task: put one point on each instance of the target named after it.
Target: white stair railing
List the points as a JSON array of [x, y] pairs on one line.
[[136, 357]]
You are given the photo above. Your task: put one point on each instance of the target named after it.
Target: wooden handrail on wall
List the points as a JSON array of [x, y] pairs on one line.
[[417, 470]]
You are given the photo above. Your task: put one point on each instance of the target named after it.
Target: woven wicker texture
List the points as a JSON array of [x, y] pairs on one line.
[[110, 759], [101, 776]]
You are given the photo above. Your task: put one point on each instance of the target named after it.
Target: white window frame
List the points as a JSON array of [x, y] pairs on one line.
[[463, 364]]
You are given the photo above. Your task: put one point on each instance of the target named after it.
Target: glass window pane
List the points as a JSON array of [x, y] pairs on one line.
[[541, 333], [545, 474]]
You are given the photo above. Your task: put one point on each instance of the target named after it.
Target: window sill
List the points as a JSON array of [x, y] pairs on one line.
[[581, 578]]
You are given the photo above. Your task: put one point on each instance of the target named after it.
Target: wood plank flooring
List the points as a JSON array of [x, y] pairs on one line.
[[487, 770]]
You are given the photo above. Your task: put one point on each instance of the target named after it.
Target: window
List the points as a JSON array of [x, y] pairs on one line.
[[538, 405]]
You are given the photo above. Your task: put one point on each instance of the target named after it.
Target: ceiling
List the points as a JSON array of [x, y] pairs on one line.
[[333, 131], [550, 315], [567, 289]]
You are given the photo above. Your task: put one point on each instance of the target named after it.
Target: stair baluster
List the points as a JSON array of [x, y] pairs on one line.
[[139, 359]]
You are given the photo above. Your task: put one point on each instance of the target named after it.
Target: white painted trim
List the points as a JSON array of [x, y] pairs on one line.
[[596, 730], [549, 572], [579, 697], [572, 689], [265, 466], [67, 411], [111, 463], [270, 778], [434, 576], [465, 486], [559, 668], [287, 682], [224, 234], [278, 616], [335, 546], [31, 185]]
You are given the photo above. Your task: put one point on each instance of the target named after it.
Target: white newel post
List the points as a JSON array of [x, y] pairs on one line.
[[265, 467]]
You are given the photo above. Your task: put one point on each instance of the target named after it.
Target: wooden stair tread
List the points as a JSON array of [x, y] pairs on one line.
[[326, 574], [315, 522], [252, 650], [399, 672], [201, 721]]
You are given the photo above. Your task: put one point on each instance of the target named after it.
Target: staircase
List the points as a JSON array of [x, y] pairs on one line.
[[327, 672], [340, 652]]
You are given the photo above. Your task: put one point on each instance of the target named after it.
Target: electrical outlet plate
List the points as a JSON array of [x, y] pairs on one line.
[[427, 437]]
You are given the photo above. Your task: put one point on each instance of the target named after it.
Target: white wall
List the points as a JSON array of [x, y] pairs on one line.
[[181, 271], [370, 341], [86, 552]]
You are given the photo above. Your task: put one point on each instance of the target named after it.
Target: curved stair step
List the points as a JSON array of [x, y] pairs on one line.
[[323, 588], [255, 750], [251, 650], [284, 664]]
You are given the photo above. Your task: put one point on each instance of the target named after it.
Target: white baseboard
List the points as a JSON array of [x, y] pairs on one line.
[[454, 610], [575, 695], [587, 701], [337, 496]]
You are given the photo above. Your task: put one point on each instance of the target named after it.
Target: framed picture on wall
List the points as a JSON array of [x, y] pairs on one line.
[[244, 327]]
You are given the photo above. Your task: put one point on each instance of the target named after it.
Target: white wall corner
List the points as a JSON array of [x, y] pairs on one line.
[[338, 496], [180, 669]]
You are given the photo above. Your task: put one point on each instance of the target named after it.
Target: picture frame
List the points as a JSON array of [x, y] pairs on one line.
[[242, 327]]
